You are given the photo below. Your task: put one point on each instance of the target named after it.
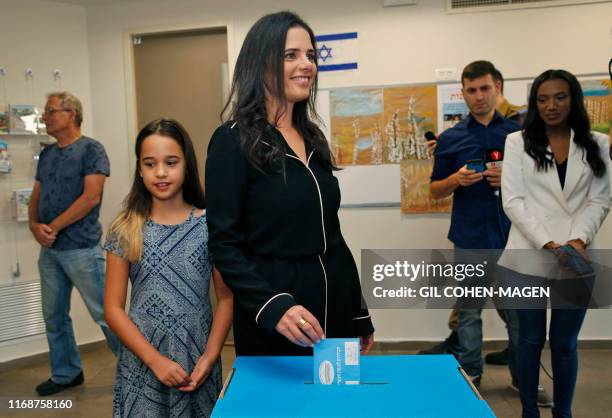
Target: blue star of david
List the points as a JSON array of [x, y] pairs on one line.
[[324, 53]]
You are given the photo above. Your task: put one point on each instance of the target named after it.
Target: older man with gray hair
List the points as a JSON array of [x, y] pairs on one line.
[[64, 211]]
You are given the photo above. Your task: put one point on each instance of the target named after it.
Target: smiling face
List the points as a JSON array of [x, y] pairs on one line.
[[299, 65], [480, 94], [162, 167], [554, 102]]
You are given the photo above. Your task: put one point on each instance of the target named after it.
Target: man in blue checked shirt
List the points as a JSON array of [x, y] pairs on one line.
[[477, 220]]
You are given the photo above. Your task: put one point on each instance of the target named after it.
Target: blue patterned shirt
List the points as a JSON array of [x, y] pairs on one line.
[[61, 173]]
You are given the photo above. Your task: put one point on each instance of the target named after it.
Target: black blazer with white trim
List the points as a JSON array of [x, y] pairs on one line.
[[277, 242]]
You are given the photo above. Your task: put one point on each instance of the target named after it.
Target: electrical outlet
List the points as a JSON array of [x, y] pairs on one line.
[[446, 73]]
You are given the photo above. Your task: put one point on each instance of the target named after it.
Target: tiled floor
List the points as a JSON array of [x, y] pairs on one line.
[[94, 399]]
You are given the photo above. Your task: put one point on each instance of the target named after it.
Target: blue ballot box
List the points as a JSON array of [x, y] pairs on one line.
[[391, 386]]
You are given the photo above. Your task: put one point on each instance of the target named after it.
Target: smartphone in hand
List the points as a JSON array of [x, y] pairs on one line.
[[573, 260], [476, 164]]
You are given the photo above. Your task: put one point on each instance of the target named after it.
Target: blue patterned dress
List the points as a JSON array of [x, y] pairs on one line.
[[170, 305]]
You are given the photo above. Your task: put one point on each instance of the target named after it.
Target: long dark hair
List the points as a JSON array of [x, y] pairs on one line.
[[127, 226], [261, 59], [534, 130]]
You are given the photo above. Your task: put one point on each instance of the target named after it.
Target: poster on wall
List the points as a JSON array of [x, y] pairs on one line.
[[451, 107], [416, 197], [356, 118], [598, 104], [361, 185], [375, 134], [412, 112], [373, 126], [381, 127], [409, 112]]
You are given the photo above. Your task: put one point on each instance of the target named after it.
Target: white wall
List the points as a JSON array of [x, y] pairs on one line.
[[42, 36], [397, 45]]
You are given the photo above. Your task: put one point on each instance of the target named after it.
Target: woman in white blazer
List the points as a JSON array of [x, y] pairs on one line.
[[556, 191]]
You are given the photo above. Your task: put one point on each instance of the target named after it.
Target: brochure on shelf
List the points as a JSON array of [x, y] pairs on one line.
[[4, 119], [5, 159], [25, 120], [22, 201]]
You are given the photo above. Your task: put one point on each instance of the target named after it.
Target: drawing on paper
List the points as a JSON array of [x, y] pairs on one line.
[[356, 122], [415, 189]]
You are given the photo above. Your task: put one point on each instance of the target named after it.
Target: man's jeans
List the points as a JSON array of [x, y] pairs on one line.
[[59, 272], [469, 327], [470, 339]]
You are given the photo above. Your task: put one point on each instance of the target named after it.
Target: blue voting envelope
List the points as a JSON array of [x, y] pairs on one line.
[[336, 361], [391, 386]]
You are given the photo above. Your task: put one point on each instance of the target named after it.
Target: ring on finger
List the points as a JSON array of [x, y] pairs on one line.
[[301, 323]]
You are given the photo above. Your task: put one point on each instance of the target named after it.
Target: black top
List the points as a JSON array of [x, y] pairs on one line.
[[562, 171], [256, 216]]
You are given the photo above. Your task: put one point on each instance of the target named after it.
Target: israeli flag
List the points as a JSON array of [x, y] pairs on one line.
[[337, 51]]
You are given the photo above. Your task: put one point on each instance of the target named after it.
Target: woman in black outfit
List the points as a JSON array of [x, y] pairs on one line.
[[272, 202]]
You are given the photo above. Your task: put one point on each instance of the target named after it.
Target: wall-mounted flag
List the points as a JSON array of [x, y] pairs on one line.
[[337, 51]]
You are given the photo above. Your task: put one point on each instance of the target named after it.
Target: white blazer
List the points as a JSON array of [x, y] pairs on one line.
[[541, 211]]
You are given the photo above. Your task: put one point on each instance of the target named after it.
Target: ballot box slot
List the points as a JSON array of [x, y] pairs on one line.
[[360, 383], [227, 382], [469, 382]]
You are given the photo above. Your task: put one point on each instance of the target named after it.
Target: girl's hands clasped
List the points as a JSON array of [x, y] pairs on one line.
[[169, 372], [199, 374]]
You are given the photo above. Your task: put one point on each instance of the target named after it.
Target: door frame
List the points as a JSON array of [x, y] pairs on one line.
[[130, 74]]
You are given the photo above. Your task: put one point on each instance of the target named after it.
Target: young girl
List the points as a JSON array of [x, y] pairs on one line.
[[171, 366]]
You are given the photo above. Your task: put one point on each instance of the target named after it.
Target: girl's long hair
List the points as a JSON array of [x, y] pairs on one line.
[[534, 131], [127, 227], [260, 68]]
